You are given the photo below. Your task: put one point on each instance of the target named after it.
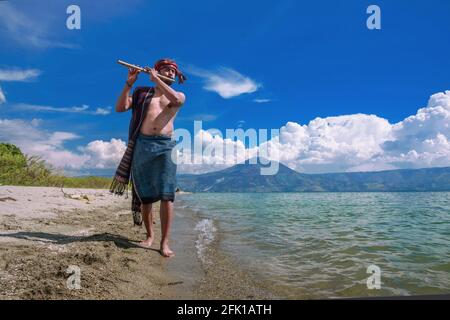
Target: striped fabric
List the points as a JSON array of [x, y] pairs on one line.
[[141, 100]]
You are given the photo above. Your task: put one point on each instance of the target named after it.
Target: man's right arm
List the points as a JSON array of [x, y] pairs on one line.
[[125, 101]]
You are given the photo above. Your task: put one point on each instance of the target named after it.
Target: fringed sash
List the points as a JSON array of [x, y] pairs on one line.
[[119, 185]]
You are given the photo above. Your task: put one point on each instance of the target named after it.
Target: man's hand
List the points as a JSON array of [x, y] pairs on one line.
[[153, 74], [176, 98], [132, 75], [124, 102]]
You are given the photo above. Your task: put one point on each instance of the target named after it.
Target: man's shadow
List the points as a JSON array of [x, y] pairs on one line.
[[62, 239]]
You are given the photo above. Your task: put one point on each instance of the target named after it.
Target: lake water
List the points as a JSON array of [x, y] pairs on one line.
[[320, 245]]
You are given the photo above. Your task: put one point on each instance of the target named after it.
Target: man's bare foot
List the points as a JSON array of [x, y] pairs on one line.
[[147, 243], [165, 250]]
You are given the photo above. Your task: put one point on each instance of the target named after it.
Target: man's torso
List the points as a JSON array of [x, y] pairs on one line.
[[159, 116]]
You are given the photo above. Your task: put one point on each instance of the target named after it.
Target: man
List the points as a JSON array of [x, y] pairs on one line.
[[147, 160]]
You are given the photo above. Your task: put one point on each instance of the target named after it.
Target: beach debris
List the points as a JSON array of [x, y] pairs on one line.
[[7, 198], [80, 196], [174, 283], [9, 226]]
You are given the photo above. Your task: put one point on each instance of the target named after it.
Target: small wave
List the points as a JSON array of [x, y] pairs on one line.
[[206, 236]]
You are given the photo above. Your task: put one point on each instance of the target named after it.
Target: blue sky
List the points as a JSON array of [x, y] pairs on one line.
[[300, 60]]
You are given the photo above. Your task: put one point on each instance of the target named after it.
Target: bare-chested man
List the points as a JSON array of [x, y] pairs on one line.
[[152, 169]]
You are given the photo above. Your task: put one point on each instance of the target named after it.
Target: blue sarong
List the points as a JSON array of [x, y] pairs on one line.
[[153, 172]]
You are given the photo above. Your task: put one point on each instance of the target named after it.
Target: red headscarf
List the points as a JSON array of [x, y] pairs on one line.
[[170, 63]]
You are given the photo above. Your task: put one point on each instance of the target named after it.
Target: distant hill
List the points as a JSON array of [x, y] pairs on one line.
[[17, 168], [247, 178]]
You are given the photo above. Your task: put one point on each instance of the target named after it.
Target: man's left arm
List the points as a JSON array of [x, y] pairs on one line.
[[176, 98]]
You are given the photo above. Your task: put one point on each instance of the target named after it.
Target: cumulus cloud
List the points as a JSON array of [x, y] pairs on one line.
[[104, 154], [210, 151], [357, 142], [226, 82], [369, 143], [332, 144], [33, 140], [324, 145], [421, 140]]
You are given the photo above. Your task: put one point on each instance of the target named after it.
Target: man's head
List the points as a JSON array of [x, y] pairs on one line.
[[169, 68]]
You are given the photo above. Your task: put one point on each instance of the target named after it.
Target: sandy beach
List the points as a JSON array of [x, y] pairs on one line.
[[44, 232]]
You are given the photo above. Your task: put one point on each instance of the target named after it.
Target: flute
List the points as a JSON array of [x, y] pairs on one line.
[[129, 65]]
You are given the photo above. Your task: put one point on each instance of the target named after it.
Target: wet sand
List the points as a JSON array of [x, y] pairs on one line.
[[44, 231]]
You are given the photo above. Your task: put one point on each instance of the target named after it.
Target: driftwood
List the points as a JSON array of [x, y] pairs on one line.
[[80, 196], [7, 198]]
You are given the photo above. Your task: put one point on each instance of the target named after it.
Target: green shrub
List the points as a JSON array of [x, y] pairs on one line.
[[19, 169]]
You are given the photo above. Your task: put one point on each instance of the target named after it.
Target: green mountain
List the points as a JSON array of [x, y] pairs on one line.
[[246, 177], [17, 168]]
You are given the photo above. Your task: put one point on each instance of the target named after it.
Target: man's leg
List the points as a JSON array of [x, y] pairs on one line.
[[146, 210], [166, 214]]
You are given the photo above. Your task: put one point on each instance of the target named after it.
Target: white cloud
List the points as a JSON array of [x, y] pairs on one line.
[[103, 111], [83, 109], [36, 122], [33, 141], [357, 142], [104, 154], [261, 100], [332, 143], [212, 153], [15, 74], [27, 30], [324, 145], [50, 146], [59, 137], [198, 117], [362, 142], [30, 24], [226, 82], [2, 96], [422, 140]]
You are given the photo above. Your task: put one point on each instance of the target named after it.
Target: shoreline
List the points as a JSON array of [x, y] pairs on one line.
[[223, 278], [44, 231]]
